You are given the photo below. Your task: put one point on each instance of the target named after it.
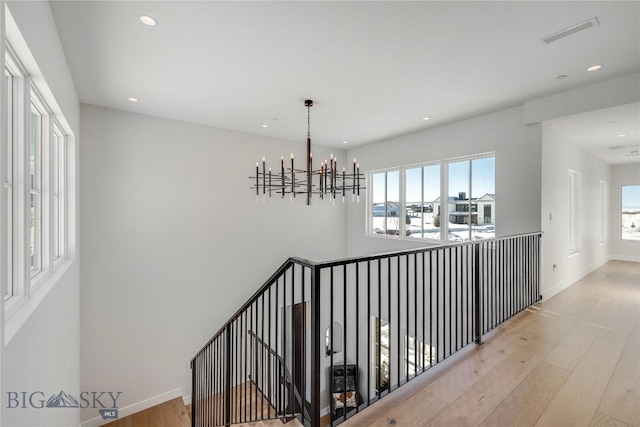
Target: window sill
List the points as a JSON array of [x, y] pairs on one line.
[[20, 308]]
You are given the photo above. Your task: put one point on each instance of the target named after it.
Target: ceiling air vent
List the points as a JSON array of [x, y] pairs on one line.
[[570, 30]]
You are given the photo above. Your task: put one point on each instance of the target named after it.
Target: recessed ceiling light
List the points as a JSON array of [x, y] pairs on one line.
[[622, 135], [561, 77], [265, 126], [133, 99], [594, 67], [426, 118], [345, 142], [148, 20]]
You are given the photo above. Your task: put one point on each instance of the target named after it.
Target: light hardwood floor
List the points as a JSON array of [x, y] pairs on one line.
[[573, 360]]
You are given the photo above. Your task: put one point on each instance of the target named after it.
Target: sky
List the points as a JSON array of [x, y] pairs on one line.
[[483, 181], [631, 197]]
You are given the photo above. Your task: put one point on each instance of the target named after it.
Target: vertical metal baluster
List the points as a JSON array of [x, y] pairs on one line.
[[505, 278], [262, 355], [450, 277], [331, 330], [218, 394], [194, 394], [293, 332], [269, 356], [345, 334], [286, 402], [303, 392], [227, 376], [215, 389], [378, 376], [278, 367], [415, 314], [388, 314], [494, 278], [254, 372], [464, 296], [234, 349], [357, 303], [243, 351], [398, 328], [368, 332], [455, 300], [315, 347], [477, 295], [405, 344], [437, 304], [424, 313]]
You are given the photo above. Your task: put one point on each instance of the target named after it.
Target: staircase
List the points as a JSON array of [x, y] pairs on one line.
[[388, 317]]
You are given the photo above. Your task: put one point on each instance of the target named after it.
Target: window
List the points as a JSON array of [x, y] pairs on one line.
[[630, 210], [471, 199], [385, 213], [35, 190], [381, 354], [417, 356], [574, 185], [34, 201], [7, 201], [422, 191], [58, 165], [604, 209], [462, 209]]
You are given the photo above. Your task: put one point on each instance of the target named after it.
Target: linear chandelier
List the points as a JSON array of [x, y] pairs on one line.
[[328, 182]]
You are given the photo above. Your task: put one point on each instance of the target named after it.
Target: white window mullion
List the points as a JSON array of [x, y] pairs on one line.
[[470, 197], [444, 202], [21, 187], [46, 198]]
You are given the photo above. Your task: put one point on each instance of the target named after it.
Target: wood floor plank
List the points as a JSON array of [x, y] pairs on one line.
[[578, 399], [406, 415], [174, 413], [151, 417], [524, 406], [474, 405], [602, 420], [621, 398], [568, 353], [453, 383]]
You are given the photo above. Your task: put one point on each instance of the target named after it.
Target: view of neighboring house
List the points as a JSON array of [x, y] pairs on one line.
[[478, 211]]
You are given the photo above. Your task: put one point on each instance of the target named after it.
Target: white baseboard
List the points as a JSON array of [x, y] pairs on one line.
[[564, 284], [625, 258], [136, 407]]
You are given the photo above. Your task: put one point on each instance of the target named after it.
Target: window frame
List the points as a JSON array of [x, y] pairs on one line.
[[622, 211], [29, 287], [444, 189]]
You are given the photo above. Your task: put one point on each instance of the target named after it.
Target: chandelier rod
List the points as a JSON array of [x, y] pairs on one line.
[[309, 103]]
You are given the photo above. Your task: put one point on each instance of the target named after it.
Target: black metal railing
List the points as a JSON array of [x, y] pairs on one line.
[[386, 317]]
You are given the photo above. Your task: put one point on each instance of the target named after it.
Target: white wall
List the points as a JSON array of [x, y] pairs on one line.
[[44, 353], [517, 149], [174, 242], [622, 175], [558, 156]]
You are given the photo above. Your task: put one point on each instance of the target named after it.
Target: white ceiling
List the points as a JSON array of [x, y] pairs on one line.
[[374, 69], [613, 134]]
